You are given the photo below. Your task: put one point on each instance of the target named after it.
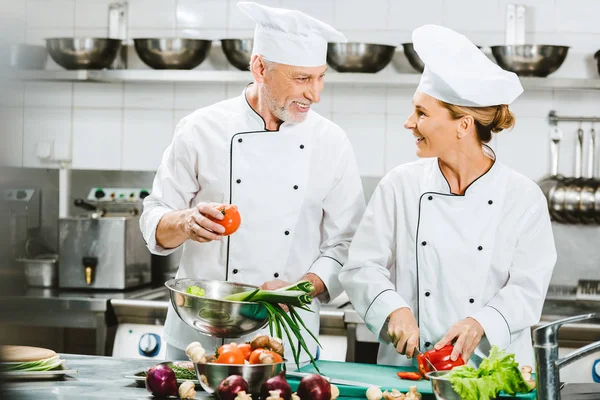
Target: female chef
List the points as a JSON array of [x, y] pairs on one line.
[[455, 247]]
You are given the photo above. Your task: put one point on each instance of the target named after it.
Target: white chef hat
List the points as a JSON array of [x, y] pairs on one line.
[[458, 73], [289, 36]]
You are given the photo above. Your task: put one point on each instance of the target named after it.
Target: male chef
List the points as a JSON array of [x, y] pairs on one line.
[[291, 172]]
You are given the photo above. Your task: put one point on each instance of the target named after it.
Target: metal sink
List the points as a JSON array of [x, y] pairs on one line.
[[580, 391]]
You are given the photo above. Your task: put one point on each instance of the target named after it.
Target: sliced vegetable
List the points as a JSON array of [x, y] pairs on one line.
[[161, 380], [195, 290], [47, 364], [413, 394], [440, 359], [411, 376]]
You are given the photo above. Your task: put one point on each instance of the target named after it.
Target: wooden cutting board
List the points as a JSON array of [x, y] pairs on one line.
[[10, 353], [383, 376]]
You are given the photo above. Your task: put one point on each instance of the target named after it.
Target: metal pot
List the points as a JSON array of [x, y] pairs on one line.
[[549, 185], [588, 203], [41, 271], [572, 200]]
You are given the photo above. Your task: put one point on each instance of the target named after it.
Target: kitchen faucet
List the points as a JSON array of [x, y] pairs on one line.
[[546, 356]]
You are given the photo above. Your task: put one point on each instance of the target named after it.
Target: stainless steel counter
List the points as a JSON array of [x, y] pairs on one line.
[[97, 378], [69, 308]]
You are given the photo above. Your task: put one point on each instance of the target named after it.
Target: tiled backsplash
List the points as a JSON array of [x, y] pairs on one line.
[[128, 126]]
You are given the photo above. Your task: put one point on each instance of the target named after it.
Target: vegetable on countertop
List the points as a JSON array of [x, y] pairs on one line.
[[413, 394], [374, 393], [243, 396], [411, 376], [314, 387], [161, 380], [496, 373], [395, 394], [277, 383], [187, 390], [231, 386]]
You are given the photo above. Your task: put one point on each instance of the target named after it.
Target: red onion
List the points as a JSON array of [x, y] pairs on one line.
[[314, 387], [230, 386], [161, 381], [277, 382]]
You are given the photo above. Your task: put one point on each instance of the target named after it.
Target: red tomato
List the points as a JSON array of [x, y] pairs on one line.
[[246, 350], [412, 376], [231, 355], [255, 356], [231, 218], [226, 347]]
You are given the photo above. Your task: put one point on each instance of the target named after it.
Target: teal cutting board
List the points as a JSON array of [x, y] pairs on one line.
[[381, 375]]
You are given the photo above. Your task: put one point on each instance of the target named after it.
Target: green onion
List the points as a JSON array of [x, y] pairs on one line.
[[296, 295]]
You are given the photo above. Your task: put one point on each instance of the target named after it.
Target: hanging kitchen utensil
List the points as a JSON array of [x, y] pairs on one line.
[[589, 186], [572, 199], [549, 185]]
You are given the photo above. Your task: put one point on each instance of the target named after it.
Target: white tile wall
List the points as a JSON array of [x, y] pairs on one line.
[[144, 115], [11, 134], [50, 13], [197, 96], [97, 138], [45, 125], [146, 135], [207, 14], [365, 132], [48, 94]]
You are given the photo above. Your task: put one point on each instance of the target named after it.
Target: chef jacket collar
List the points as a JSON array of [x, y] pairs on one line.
[[440, 183]]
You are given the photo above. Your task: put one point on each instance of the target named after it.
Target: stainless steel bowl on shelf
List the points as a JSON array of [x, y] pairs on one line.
[[172, 53], [210, 315], [211, 375], [84, 52], [530, 60], [238, 52], [359, 57], [413, 58]]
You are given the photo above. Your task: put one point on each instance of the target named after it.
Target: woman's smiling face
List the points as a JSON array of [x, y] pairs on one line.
[[432, 125]]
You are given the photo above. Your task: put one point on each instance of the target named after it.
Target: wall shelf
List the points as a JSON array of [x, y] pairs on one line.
[[200, 76]]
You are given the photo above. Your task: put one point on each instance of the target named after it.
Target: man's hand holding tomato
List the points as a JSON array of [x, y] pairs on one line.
[[211, 221]]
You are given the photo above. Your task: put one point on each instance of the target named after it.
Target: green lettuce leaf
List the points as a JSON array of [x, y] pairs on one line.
[[497, 373]]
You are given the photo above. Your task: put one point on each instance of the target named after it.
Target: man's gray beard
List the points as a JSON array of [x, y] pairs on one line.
[[280, 111]]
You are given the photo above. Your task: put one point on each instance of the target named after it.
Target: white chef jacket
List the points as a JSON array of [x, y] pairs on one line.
[[298, 191], [488, 254]]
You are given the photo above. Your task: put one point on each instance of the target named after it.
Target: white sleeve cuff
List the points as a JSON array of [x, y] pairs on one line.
[[149, 225], [380, 309], [328, 269], [495, 326]]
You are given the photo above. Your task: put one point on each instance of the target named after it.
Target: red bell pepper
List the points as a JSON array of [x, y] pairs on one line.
[[412, 376], [440, 359]]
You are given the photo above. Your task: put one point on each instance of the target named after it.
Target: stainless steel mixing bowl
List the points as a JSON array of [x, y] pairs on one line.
[[211, 375], [441, 386], [84, 52], [530, 60], [172, 53], [214, 317], [413, 58], [238, 52], [359, 57]]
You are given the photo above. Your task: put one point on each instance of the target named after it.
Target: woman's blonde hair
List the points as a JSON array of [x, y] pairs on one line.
[[487, 119]]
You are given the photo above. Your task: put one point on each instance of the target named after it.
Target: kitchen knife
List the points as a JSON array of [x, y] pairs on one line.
[[334, 381]]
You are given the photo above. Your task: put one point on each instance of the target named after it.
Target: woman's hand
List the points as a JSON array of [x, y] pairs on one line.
[[404, 331], [468, 334]]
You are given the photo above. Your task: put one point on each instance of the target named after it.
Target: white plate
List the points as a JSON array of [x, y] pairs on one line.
[[37, 375]]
